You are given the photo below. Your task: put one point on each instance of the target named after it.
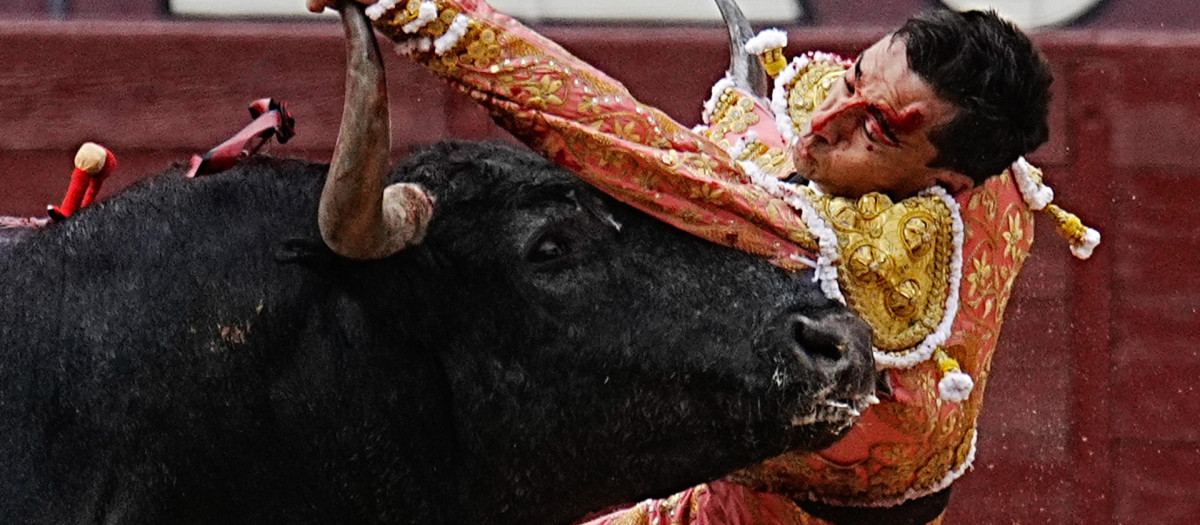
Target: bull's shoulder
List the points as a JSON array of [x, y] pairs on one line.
[[129, 266]]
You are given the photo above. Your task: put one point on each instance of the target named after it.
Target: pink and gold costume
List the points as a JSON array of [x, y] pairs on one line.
[[932, 273]]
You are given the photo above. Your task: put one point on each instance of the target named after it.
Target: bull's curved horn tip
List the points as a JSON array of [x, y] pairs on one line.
[[355, 219], [744, 69]]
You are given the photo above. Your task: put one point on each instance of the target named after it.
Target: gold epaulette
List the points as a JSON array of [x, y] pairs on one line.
[[802, 86]]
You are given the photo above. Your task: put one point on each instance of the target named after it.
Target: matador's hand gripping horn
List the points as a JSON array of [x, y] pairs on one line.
[[360, 218]]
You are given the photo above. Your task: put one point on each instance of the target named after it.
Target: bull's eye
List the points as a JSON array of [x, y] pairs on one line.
[[548, 248]]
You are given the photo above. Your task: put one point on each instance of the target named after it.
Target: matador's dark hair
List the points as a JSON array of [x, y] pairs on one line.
[[999, 84]]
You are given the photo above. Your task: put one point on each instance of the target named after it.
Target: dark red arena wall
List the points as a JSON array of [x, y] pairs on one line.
[[1092, 415], [1154, 15]]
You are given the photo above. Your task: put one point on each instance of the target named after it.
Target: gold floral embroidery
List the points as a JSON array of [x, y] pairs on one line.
[[710, 193], [543, 92], [627, 131], [980, 280], [985, 200], [1012, 239]]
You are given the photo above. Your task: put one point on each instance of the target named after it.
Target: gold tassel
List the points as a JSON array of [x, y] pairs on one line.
[[1083, 239], [773, 60], [946, 364], [1068, 224]]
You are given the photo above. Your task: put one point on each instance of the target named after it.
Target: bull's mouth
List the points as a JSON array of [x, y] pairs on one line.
[[832, 351], [840, 414]]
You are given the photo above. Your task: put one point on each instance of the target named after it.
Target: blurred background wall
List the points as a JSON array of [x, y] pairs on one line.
[[1092, 414], [1074, 14]]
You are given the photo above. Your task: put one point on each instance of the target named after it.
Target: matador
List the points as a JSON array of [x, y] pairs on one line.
[[930, 270]]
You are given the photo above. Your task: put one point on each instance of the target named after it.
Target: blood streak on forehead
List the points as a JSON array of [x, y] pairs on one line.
[[819, 122], [905, 121]]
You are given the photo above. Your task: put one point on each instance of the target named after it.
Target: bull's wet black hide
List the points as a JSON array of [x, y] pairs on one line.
[[186, 352], [11, 235]]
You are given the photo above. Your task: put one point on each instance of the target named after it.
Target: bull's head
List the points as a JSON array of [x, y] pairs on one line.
[[359, 217], [592, 353]]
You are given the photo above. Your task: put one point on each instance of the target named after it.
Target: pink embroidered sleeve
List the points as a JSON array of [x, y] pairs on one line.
[[588, 122], [716, 503]]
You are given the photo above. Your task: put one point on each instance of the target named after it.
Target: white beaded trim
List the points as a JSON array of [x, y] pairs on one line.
[[374, 11], [739, 148], [426, 14], [422, 44], [766, 40], [826, 272], [783, 120], [710, 105], [450, 38]]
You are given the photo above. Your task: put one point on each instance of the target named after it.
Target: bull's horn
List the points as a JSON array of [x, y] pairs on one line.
[[745, 70], [359, 219]]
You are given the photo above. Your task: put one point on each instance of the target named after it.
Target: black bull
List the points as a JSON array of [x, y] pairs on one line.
[[192, 351], [189, 352]]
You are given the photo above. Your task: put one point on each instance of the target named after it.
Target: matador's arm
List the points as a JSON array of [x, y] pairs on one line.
[[588, 122]]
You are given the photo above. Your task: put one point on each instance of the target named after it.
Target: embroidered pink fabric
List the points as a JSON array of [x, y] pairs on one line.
[[588, 122]]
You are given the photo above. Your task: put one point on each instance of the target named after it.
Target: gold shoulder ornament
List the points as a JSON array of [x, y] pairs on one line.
[[896, 265], [801, 87]]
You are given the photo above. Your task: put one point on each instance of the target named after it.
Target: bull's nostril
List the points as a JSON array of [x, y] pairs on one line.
[[817, 339]]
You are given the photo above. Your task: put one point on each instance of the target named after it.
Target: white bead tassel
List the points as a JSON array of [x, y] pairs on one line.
[[1036, 194], [765, 40], [955, 385], [1091, 240]]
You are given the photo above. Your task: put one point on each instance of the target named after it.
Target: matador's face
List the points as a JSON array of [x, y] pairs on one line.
[[872, 132]]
